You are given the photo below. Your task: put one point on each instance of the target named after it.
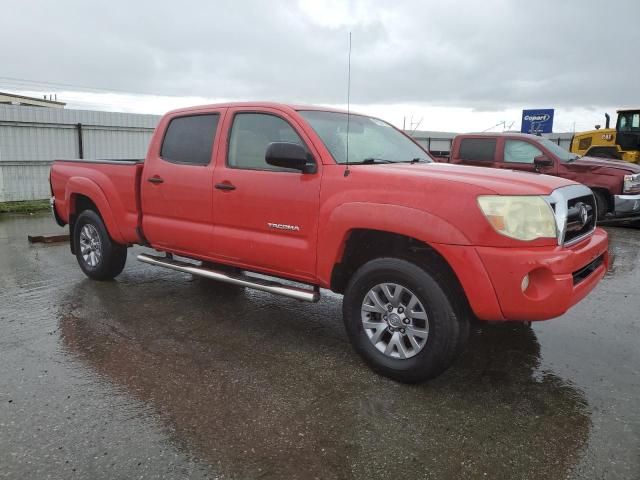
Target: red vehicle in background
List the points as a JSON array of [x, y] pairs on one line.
[[615, 183], [418, 248]]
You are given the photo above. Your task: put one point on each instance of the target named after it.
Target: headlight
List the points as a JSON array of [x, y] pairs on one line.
[[520, 217], [631, 183]]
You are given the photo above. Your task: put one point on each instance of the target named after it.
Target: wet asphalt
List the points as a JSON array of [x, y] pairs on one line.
[[160, 375]]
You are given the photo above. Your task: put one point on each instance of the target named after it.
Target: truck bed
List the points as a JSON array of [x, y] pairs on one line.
[[114, 182]]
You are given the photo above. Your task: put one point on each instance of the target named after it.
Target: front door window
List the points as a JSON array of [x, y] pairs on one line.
[[518, 151]]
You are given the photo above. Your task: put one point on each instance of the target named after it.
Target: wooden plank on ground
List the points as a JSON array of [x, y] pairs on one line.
[[47, 238]]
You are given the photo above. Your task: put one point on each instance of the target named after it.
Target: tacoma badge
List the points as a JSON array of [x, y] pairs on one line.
[[282, 226]]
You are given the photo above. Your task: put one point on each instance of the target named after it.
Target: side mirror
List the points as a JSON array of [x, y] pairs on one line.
[[290, 155], [542, 161]]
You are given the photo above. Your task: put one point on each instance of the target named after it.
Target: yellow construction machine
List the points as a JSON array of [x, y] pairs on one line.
[[622, 142]]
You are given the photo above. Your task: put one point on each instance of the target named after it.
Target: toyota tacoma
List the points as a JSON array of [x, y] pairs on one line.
[[294, 199]]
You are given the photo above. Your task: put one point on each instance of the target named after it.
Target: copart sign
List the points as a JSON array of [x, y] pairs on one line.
[[537, 121]]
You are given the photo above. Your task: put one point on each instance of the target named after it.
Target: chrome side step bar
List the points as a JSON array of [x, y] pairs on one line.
[[305, 295]]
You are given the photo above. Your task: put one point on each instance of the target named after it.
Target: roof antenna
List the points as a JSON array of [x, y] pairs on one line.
[[346, 170]]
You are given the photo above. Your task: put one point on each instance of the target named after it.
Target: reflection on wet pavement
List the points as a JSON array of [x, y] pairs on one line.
[[161, 375]]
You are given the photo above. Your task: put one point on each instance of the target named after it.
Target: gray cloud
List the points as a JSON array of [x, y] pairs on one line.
[[487, 55]]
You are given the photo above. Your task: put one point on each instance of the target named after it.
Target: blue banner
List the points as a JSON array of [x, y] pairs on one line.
[[537, 121]]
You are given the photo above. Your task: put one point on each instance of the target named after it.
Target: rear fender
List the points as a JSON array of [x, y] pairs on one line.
[[84, 186]]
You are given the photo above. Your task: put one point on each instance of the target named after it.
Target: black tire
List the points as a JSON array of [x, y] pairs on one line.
[[602, 204], [113, 256], [448, 331]]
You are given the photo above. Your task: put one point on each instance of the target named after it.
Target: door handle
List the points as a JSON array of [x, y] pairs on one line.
[[225, 186], [155, 179]]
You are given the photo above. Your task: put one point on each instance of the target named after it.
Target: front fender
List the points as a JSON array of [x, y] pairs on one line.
[[610, 183], [335, 230], [90, 189]]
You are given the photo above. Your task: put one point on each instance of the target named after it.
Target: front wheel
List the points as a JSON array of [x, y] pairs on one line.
[[99, 257], [602, 205], [400, 319]]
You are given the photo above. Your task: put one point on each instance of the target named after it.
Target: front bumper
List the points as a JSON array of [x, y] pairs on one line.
[[627, 205], [558, 277]]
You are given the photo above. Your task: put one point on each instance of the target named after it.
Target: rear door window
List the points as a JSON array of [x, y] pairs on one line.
[[189, 139], [478, 149]]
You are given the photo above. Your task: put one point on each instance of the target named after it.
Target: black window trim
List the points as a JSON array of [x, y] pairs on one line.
[[213, 142], [275, 169]]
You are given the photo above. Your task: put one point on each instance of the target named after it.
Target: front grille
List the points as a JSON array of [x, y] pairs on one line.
[[581, 217], [587, 270]]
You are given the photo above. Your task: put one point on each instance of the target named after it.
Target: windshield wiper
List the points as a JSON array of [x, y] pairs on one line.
[[370, 160], [413, 160]]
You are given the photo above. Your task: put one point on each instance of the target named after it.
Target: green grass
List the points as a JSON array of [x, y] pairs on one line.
[[28, 206]]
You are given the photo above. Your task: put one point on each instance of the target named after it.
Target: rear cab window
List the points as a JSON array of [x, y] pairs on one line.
[[189, 140], [477, 149]]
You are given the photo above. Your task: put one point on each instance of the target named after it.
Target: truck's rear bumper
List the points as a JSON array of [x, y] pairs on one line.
[[52, 204], [557, 278]]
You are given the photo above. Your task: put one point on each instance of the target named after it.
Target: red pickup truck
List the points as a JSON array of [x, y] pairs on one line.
[[246, 191], [615, 183]]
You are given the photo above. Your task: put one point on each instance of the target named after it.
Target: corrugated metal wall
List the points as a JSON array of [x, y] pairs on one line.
[[22, 181], [32, 142], [32, 137]]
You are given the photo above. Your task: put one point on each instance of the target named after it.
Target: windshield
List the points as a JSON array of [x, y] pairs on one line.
[[557, 150], [370, 140], [629, 121]]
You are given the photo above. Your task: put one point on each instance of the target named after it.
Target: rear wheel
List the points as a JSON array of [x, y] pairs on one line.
[[400, 319], [99, 257]]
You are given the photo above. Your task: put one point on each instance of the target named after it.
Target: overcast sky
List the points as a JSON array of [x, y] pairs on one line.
[[452, 65]]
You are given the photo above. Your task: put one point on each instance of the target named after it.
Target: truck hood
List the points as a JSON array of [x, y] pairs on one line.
[[595, 163], [489, 180]]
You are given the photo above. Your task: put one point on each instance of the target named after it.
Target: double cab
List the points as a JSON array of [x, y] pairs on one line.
[[615, 183], [294, 199]]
